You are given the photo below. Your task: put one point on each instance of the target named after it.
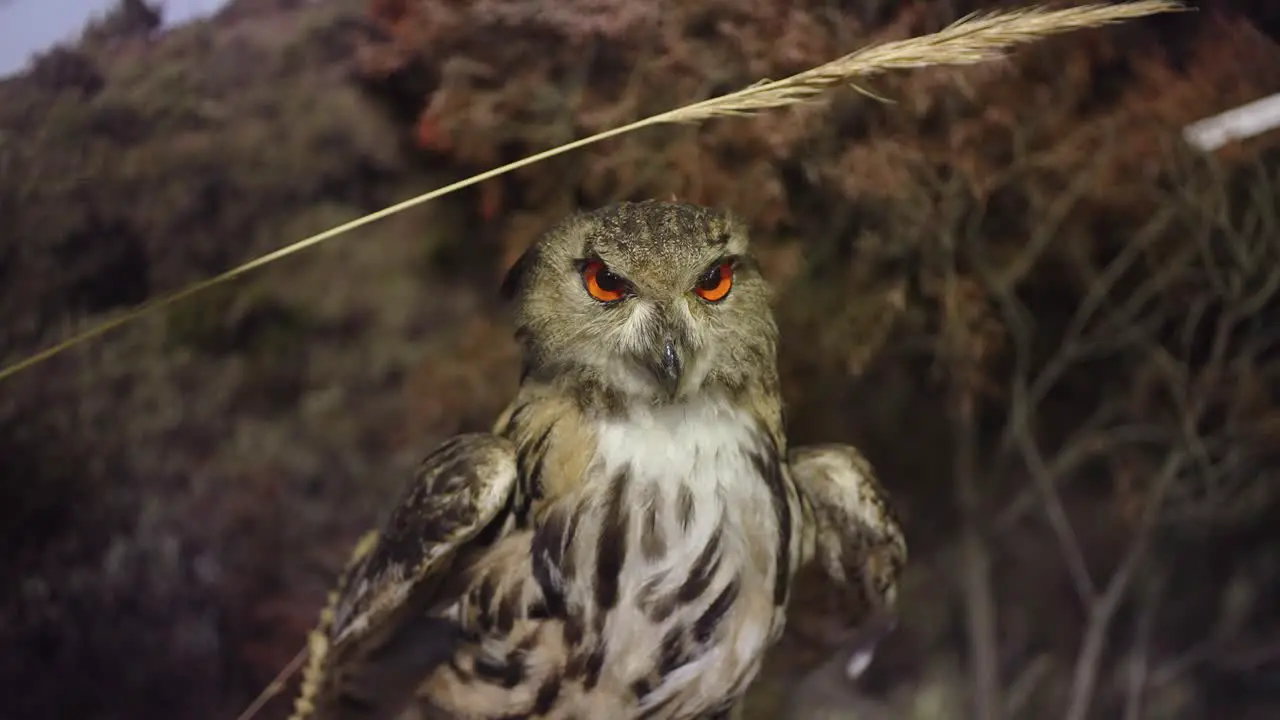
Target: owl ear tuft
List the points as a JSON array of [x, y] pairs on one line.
[[514, 280]]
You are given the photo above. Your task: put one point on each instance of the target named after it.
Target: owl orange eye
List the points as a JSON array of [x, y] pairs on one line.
[[714, 286], [602, 284]]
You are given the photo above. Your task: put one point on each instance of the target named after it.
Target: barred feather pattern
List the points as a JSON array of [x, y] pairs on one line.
[[318, 640], [650, 587]]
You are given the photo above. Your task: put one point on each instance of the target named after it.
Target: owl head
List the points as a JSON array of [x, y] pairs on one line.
[[651, 301]]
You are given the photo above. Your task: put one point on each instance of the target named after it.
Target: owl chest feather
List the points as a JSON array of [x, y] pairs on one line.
[[646, 575], [678, 558]]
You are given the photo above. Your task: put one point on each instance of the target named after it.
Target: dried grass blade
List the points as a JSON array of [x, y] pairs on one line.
[[974, 39]]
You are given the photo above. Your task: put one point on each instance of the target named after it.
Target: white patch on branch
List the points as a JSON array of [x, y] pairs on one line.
[[1238, 123]]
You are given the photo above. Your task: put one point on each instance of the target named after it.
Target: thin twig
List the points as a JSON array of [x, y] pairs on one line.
[[1102, 613], [980, 603], [979, 597], [1084, 446], [275, 687], [1140, 663], [1047, 489], [1024, 686]]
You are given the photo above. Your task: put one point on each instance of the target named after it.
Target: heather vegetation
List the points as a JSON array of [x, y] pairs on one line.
[[1053, 327]]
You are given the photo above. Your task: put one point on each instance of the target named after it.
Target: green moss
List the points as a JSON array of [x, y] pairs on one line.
[[228, 318], [271, 328], [200, 321]]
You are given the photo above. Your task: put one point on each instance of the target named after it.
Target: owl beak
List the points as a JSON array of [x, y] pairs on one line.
[[668, 370]]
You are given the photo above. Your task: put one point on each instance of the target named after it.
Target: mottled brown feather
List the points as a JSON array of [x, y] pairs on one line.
[[851, 530], [458, 490]]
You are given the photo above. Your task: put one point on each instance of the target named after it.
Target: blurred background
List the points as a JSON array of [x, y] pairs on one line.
[[1051, 323]]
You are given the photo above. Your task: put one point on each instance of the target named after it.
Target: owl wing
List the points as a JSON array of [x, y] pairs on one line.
[[853, 533], [378, 636]]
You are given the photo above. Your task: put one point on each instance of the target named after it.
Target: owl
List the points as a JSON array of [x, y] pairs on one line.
[[623, 543]]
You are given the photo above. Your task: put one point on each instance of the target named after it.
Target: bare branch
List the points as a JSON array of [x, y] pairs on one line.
[[959, 351], [1024, 686], [1047, 492], [1102, 613], [1092, 441], [1140, 658]]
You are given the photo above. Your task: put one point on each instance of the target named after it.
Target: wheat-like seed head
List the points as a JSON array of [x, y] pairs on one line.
[[977, 38], [974, 39]]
